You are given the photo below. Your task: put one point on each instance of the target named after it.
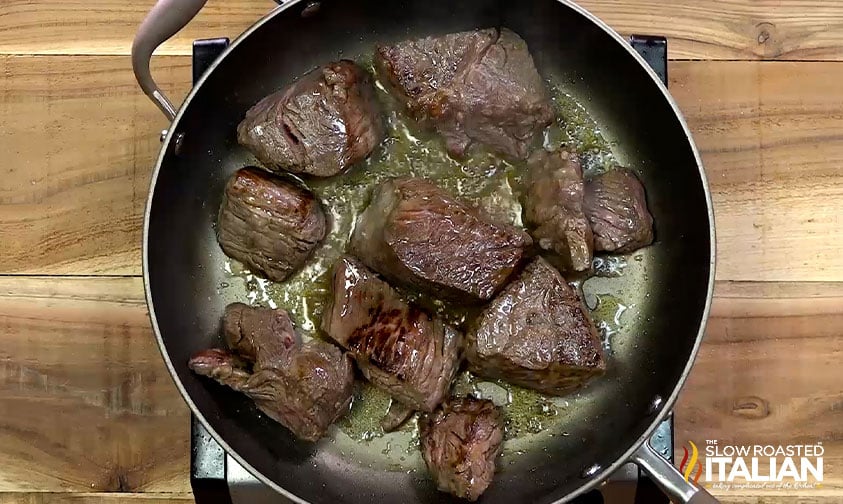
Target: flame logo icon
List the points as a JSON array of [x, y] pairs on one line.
[[687, 469]]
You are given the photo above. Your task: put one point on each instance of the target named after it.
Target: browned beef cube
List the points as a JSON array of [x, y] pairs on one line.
[[418, 235], [460, 443], [553, 207], [475, 87], [617, 209], [399, 348], [321, 124], [304, 387], [537, 334], [258, 333], [269, 224]]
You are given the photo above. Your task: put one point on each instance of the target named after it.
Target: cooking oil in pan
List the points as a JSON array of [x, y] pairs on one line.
[[525, 411], [369, 405], [493, 184]]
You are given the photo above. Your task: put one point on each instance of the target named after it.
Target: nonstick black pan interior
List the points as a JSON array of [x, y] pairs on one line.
[[184, 263]]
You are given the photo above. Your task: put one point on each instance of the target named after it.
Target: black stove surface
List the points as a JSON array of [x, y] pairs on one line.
[[216, 478]]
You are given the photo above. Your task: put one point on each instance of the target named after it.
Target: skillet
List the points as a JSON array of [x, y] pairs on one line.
[[183, 265]]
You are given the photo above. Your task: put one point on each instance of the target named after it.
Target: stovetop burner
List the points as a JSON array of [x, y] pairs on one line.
[[216, 478]]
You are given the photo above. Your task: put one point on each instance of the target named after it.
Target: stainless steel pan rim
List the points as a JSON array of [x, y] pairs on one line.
[[634, 452]]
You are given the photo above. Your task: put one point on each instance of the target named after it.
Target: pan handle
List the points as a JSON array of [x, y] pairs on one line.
[[165, 19], [669, 479]]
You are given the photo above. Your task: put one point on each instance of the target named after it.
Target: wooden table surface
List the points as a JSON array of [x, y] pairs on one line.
[[88, 413]]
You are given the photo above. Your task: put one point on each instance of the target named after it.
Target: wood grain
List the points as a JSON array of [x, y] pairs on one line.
[[79, 141], [107, 27], [733, 29], [92, 498], [769, 373], [771, 136], [74, 192], [86, 403], [729, 29]]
